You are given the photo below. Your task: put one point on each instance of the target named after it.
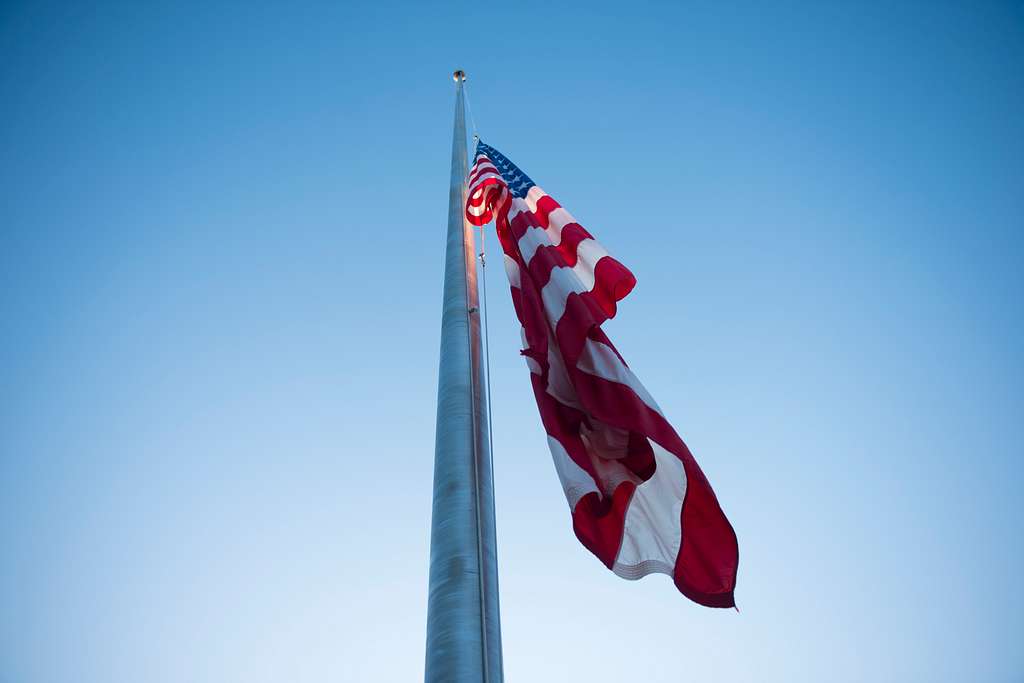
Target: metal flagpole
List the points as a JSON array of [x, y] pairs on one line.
[[463, 627]]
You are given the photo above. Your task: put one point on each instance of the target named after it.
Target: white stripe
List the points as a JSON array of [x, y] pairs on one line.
[[588, 253], [564, 281], [600, 360], [532, 240], [556, 292], [653, 531], [576, 482], [558, 219], [529, 203], [512, 271], [559, 386], [533, 196]]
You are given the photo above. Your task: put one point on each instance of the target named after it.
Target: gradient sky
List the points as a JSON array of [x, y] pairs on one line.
[[221, 237]]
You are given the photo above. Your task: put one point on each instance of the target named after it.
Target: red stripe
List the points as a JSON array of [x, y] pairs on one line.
[[572, 235], [545, 205], [598, 522]]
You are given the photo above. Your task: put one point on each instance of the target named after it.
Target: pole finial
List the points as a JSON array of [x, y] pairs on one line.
[[459, 75]]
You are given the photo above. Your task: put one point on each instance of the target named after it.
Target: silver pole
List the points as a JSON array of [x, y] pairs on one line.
[[463, 627]]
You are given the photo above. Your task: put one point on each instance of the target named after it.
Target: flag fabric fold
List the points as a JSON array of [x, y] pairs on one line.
[[639, 501]]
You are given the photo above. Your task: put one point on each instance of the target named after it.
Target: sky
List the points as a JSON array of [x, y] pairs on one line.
[[221, 242]]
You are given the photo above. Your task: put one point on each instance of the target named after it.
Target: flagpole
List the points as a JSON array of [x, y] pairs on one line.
[[463, 624]]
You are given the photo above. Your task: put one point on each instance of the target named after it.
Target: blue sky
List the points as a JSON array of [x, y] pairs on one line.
[[221, 237]]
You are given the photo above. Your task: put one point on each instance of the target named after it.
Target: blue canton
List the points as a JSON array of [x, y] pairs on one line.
[[518, 182]]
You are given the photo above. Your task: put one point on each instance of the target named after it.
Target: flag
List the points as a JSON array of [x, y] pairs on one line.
[[639, 501]]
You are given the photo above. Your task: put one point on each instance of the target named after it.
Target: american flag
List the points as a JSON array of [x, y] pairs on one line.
[[639, 501]]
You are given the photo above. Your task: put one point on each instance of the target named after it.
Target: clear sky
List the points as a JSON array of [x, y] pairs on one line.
[[221, 236]]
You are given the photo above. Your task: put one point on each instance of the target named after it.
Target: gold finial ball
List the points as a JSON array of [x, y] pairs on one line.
[[459, 75]]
